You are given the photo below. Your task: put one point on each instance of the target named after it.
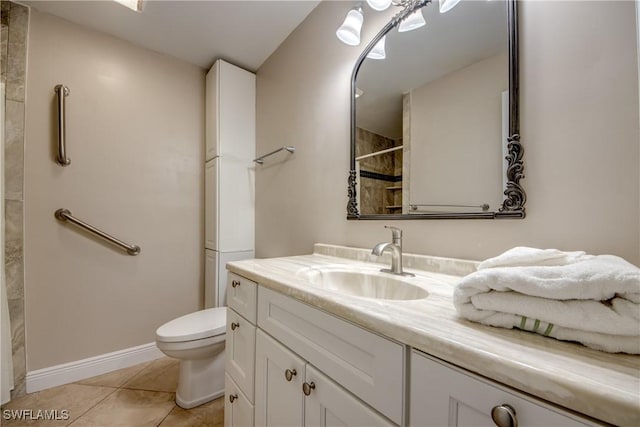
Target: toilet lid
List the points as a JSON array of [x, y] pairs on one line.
[[194, 326]]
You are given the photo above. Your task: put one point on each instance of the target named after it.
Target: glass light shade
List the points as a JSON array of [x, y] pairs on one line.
[[413, 21], [447, 5], [349, 31], [378, 50], [132, 4], [379, 4]]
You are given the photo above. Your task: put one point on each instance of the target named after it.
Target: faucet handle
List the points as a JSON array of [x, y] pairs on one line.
[[396, 233]]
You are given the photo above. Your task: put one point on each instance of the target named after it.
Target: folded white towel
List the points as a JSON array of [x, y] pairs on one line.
[[594, 300], [522, 256]]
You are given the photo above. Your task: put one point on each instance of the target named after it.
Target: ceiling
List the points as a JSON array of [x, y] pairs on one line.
[[243, 32]]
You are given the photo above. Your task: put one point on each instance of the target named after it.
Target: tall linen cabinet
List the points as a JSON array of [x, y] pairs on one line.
[[229, 174]]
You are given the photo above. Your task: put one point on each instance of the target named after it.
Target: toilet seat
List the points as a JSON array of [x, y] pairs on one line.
[[194, 326]]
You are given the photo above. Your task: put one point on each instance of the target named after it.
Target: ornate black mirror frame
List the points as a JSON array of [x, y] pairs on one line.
[[513, 203]]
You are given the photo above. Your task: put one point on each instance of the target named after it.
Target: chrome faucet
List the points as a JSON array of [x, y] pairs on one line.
[[396, 252]]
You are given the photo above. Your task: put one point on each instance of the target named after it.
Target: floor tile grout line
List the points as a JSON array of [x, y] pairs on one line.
[[128, 380], [96, 404], [169, 413]]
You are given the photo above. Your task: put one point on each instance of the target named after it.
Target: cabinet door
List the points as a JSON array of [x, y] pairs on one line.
[[211, 204], [238, 411], [445, 396], [328, 405], [211, 112], [279, 377], [240, 352]]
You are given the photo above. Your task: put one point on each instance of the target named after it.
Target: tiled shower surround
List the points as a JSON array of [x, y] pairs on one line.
[[384, 170], [15, 21]]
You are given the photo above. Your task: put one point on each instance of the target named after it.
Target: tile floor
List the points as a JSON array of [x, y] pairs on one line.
[[139, 396]]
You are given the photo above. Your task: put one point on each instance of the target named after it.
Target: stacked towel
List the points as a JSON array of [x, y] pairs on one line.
[[570, 296]]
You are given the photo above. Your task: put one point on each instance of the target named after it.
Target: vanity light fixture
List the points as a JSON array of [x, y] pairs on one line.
[[349, 31], [135, 5], [378, 50]]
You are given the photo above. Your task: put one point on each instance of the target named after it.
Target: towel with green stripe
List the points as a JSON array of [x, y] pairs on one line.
[[570, 296]]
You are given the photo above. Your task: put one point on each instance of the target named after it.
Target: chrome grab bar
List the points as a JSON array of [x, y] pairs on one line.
[[62, 91], [65, 215], [260, 160]]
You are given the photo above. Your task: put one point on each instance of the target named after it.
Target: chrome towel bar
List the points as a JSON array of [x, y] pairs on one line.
[[484, 207], [260, 160], [64, 215], [62, 92]]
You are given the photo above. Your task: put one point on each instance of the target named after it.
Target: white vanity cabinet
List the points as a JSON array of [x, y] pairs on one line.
[[368, 365], [443, 395], [292, 392], [240, 349]]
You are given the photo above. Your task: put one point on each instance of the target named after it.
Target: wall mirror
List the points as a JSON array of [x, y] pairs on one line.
[[434, 124]]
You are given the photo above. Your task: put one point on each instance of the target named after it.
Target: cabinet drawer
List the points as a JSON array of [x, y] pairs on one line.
[[240, 352], [366, 364], [241, 296], [443, 395], [238, 410]]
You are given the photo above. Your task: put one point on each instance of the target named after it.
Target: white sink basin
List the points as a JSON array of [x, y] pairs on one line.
[[363, 282]]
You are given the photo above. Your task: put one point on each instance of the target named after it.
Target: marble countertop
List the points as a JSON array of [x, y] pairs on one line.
[[601, 385]]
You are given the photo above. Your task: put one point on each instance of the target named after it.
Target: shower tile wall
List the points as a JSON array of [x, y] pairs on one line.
[[15, 21], [374, 196], [406, 151]]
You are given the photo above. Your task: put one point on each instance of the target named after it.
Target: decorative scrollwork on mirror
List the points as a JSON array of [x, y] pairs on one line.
[[415, 194]]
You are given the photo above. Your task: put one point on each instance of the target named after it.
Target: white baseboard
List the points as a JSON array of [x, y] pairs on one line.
[[90, 367]]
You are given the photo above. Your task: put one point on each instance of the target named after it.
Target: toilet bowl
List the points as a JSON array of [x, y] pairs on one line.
[[197, 340]]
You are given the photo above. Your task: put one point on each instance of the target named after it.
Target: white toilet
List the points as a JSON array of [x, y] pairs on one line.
[[197, 339]]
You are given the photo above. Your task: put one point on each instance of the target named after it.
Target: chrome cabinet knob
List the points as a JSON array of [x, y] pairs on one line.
[[504, 416], [234, 326], [232, 397], [235, 283], [289, 374], [307, 387]]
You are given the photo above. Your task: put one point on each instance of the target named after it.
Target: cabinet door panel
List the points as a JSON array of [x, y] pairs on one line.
[[445, 396], [278, 401], [329, 405], [240, 350], [238, 411], [211, 111], [211, 278], [211, 204], [237, 204]]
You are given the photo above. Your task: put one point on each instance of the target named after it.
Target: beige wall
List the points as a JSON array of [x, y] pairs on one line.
[[579, 121], [135, 132]]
